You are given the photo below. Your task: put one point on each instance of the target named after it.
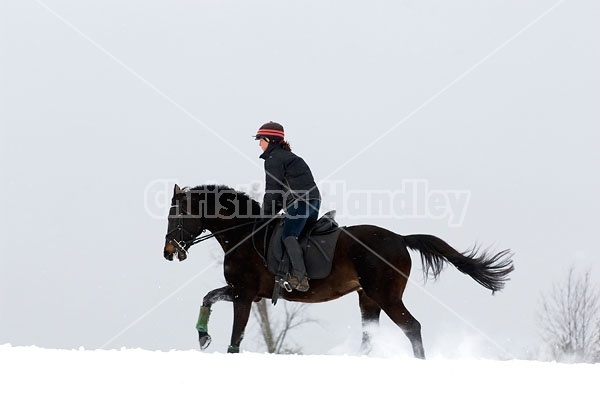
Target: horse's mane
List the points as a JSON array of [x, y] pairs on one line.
[[241, 197]]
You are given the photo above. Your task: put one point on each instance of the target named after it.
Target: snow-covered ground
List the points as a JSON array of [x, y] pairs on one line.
[[36, 372]]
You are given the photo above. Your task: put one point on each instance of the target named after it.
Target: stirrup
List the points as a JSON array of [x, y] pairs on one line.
[[285, 284], [280, 283]]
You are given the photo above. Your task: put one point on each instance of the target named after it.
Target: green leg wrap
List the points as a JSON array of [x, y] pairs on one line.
[[202, 324], [233, 349]]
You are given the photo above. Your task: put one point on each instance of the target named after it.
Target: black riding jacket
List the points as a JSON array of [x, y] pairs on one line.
[[288, 178]]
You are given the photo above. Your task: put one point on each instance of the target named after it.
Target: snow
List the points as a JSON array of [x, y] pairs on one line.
[[33, 371]]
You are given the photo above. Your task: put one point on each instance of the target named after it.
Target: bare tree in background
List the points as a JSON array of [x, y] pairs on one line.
[[275, 329], [570, 319]]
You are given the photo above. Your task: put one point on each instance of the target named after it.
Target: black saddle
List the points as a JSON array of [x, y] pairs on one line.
[[318, 242]]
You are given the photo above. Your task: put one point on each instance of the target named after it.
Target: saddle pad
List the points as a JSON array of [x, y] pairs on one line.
[[318, 248]]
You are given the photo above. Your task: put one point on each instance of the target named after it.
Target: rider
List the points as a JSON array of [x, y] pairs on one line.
[[289, 183]]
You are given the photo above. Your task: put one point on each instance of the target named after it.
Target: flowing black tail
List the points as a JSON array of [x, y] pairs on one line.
[[490, 271]]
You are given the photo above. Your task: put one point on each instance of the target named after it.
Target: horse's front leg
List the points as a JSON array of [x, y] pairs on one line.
[[241, 313], [222, 294]]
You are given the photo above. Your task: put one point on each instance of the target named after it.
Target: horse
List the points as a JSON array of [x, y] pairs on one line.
[[370, 260]]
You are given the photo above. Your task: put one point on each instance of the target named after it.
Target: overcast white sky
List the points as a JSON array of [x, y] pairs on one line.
[[101, 99]]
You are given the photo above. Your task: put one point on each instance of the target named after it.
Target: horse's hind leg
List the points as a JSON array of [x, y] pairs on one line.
[[391, 302], [369, 311], [409, 325]]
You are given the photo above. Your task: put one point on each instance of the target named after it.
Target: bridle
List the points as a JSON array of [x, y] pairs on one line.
[[181, 244]]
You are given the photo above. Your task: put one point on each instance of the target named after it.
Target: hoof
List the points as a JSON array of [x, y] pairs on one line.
[[204, 339]]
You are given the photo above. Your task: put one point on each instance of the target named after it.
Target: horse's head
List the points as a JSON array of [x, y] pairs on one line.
[[182, 227]]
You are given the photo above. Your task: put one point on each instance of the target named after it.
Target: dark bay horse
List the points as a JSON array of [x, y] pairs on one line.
[[370, 260]]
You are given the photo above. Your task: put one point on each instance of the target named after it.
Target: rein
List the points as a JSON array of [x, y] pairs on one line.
[[199, 239], [182, 244]]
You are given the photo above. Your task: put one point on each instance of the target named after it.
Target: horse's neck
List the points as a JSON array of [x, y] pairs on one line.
[[216, 224], [230, 237]]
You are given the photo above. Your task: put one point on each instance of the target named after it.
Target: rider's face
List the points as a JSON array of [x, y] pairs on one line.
[[263, 143]]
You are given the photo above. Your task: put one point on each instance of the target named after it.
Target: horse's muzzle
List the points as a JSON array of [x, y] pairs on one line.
[[172, 247], [181, 254], [169, 251]]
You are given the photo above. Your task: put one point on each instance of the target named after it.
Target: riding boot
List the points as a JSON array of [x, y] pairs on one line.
[[299, 279]]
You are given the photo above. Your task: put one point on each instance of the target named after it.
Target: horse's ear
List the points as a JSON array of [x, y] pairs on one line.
[[176, 190]]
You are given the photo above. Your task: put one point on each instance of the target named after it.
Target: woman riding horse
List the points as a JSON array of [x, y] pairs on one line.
[[289, 184], [370, 260]]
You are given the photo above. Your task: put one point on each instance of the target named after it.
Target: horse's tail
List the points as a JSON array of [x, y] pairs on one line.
[[490, 271]]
